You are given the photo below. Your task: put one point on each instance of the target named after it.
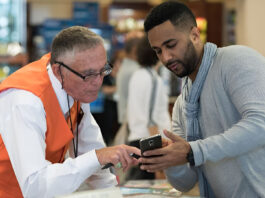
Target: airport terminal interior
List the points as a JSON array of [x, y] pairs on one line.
[[27, 29]]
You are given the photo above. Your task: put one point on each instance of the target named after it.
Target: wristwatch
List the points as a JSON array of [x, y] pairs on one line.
[[190, 157]]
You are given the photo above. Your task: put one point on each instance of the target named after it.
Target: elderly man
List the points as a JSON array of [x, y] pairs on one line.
[[45, 110]]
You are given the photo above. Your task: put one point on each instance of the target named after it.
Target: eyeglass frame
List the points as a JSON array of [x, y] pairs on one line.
[[107, 67]]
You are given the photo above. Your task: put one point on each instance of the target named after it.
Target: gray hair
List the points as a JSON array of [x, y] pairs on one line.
[[73, 38]]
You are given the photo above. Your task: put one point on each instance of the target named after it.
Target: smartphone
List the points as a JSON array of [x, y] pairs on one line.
[[150, 143]]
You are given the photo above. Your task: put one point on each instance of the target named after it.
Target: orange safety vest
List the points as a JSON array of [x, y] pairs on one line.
[[34, 78]]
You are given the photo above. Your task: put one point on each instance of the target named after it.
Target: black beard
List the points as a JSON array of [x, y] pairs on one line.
[[188, 63]]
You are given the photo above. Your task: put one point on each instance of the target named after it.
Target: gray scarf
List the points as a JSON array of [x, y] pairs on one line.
[[191, 107]]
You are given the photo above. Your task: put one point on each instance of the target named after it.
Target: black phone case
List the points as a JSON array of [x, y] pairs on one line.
[[150, 143]]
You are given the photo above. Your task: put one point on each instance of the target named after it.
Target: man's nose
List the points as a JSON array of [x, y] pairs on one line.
[[98, 78], [166, 56]]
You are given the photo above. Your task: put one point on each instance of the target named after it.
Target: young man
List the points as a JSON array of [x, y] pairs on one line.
[[35, 103], [218, 134]]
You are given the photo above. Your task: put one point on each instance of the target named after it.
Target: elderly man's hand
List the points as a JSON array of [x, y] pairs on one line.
[[116, 154], [173, 151]]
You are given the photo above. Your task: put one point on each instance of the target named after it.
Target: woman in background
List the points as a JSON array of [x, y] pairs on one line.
[[142, 84]]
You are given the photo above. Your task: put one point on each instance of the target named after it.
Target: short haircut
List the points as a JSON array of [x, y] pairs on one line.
[[146, 56], [177, 13], [73, 38]]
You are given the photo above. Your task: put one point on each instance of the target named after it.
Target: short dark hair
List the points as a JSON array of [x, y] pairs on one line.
[[73, 38], [146, 56], [177, 13]]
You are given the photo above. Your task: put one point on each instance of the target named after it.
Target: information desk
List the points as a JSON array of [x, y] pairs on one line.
[[154, 188], [136, 189]]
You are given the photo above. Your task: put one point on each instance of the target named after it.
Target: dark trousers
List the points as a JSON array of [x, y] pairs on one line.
[[108, 121], [135, 173]]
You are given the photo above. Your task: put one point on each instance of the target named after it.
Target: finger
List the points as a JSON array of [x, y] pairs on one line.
[[115, 157], [135, 162], [118, 157], [165, 142], [152, 160], [153, 167], [171, 135], [126, 152], [128, 159], [160, 151], [130, 162], [131, 149], [123, 159]]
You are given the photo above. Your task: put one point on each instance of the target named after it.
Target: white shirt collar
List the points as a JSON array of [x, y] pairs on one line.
[[60, 93]]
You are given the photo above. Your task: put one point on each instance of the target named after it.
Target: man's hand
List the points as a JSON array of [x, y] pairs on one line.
[[116, 154], [173, 153]]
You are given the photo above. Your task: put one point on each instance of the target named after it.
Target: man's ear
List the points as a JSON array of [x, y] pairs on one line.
[[56, 71], [195, 35]]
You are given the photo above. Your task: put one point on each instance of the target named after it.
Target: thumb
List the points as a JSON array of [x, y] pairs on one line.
[[171, 135]]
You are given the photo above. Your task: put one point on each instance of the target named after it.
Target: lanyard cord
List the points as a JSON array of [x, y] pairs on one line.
[[75, 143]]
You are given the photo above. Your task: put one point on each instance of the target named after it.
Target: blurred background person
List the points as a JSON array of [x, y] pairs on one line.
[[147, 102], [110, 123], [128, 66]]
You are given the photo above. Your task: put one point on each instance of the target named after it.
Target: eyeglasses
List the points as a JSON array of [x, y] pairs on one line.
[[92, 76]]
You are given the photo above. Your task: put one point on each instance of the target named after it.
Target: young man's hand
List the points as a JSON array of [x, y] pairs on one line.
[[173, 151]]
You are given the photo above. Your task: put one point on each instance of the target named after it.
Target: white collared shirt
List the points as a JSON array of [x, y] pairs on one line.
[[128, 67], [23, 128]]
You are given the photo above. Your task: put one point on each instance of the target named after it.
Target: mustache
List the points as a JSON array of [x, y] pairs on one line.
[[174, 62]]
